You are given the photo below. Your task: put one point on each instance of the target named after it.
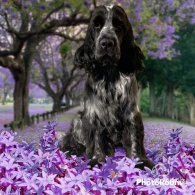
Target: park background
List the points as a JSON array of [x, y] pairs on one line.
[[38, 40]]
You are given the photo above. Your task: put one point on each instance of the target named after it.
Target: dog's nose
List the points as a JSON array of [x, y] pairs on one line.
[[107, 44]]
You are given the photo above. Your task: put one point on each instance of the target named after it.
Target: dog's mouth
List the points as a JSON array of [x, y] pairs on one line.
[[106, 60]]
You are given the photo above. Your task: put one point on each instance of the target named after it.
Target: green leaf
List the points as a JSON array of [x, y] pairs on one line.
[[64, 49]]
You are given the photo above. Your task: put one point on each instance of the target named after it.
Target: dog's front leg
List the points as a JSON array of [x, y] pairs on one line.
[[98, 155], [94, 148], [133, 140]]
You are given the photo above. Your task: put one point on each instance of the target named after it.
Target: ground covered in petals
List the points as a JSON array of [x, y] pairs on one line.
[[26, 169]]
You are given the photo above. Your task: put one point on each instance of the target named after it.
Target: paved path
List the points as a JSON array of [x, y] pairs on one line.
[[157, 132], [35, 132]]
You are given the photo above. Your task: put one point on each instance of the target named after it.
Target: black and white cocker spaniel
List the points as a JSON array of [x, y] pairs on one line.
[[111, 116]]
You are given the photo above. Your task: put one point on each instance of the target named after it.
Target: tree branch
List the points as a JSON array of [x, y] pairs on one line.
[[12, 52], [52, 12], [17, 4], [48, 89], [40, 85], [10, 63], [66, 37], [7, 22], [51, 27], [94, 3]]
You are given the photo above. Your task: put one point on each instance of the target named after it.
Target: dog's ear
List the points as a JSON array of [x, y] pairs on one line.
[[131, 55], [85, 53]]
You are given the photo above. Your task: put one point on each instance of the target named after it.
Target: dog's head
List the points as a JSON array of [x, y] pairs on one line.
[[109, 42]]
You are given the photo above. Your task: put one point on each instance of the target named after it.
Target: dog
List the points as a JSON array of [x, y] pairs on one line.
[[111, 116]]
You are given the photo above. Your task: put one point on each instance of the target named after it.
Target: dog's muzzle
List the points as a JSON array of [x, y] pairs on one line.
[[107, 50]]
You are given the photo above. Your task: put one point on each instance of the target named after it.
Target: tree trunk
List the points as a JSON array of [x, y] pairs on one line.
[[22, 79], [191, 107], [152, 110], [69, 98], [4, 98], [57, 100], [163, 105], [21, 96], [192, 115], [169, 111]]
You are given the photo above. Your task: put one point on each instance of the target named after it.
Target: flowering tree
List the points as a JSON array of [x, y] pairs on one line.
[[54, 72], [23, 24], [158, 32], [186, 63]]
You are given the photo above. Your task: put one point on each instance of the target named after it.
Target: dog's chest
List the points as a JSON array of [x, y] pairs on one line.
[[112, 92], [107, 101]]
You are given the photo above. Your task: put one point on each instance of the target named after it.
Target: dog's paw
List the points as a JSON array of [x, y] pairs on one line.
[[96, 161]]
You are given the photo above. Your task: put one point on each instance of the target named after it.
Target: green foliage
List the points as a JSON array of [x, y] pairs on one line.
[[186, 59], [177, 73], [64, 49], [75, 3], [78, 5], [145, 101]]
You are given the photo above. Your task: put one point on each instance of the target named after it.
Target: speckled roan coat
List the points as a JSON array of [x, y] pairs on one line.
[[111, 116]]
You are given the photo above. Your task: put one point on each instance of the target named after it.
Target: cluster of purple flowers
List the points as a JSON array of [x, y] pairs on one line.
[[25, 169]]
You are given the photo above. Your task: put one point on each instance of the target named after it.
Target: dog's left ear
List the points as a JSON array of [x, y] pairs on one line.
[[131, 55], [84, 55]]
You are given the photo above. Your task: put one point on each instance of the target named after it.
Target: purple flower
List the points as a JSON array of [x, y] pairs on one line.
[[42, 7], [86, 3], [44, 171], [175, 133], [2, 147], [2, 171], [170, 30], [30, 182], [46, 179]]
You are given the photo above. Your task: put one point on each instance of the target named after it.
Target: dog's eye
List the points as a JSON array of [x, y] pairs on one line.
[[118, 25], [98, 22]]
